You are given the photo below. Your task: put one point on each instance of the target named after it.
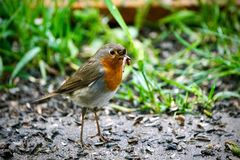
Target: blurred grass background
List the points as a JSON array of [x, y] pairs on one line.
[[186, 61]]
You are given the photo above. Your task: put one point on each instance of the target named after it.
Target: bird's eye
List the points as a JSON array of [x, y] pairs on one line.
[[112, 52]]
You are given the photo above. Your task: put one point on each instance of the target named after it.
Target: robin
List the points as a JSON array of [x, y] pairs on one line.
[[95, 82]]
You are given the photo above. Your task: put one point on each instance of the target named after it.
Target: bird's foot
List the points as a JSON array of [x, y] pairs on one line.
[[101, 137], [84, 146]]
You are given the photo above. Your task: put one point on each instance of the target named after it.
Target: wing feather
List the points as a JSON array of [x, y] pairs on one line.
[[88, 73]]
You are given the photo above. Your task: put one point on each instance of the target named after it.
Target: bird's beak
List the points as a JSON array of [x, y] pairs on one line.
[[127, 59]]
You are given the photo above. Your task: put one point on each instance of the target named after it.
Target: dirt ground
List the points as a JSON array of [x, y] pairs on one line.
[[49, 131]]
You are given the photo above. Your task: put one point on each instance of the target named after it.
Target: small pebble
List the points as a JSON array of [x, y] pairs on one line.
[[133, 140], [149, 150], [180, 120], [171, 146], [64, 143]]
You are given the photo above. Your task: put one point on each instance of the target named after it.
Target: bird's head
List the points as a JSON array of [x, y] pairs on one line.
[[114, 54]]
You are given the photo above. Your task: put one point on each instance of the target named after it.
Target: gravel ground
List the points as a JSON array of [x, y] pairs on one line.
[[49, 131]]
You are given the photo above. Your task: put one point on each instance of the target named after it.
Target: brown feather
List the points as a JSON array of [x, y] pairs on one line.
[[88, 73], [44, 98]]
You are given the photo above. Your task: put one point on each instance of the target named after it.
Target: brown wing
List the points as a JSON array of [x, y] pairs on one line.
[[88, 73]]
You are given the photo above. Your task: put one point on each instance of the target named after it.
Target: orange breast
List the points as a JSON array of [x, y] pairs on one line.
[[113, 73]]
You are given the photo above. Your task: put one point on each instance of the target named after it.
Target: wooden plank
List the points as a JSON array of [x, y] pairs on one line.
[[128, 8]]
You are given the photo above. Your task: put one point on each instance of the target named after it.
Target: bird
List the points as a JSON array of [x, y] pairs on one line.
[[94, 83]]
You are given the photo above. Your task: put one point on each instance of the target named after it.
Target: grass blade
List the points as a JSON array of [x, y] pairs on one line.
[[211, 93], [122, 109], [142, 14], [42, 67], [225, 95], [180, 16], [116, 14], [1, 67], [188, 45], [25, 59], [175, 83], [233, 147]]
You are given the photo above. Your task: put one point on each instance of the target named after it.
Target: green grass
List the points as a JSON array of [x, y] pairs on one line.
[[204, 55], [190, 78], [58, 32]]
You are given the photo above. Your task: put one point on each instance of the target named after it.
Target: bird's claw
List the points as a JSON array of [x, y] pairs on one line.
[[101, 137], [84, 145]]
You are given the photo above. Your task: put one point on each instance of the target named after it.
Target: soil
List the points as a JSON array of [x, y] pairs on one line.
[[50, 131]]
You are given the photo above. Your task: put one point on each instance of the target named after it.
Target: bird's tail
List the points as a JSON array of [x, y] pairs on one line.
[[44, 98]]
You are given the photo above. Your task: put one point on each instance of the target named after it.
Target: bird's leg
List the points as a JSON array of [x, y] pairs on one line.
[[101, 137], [81, 133]]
